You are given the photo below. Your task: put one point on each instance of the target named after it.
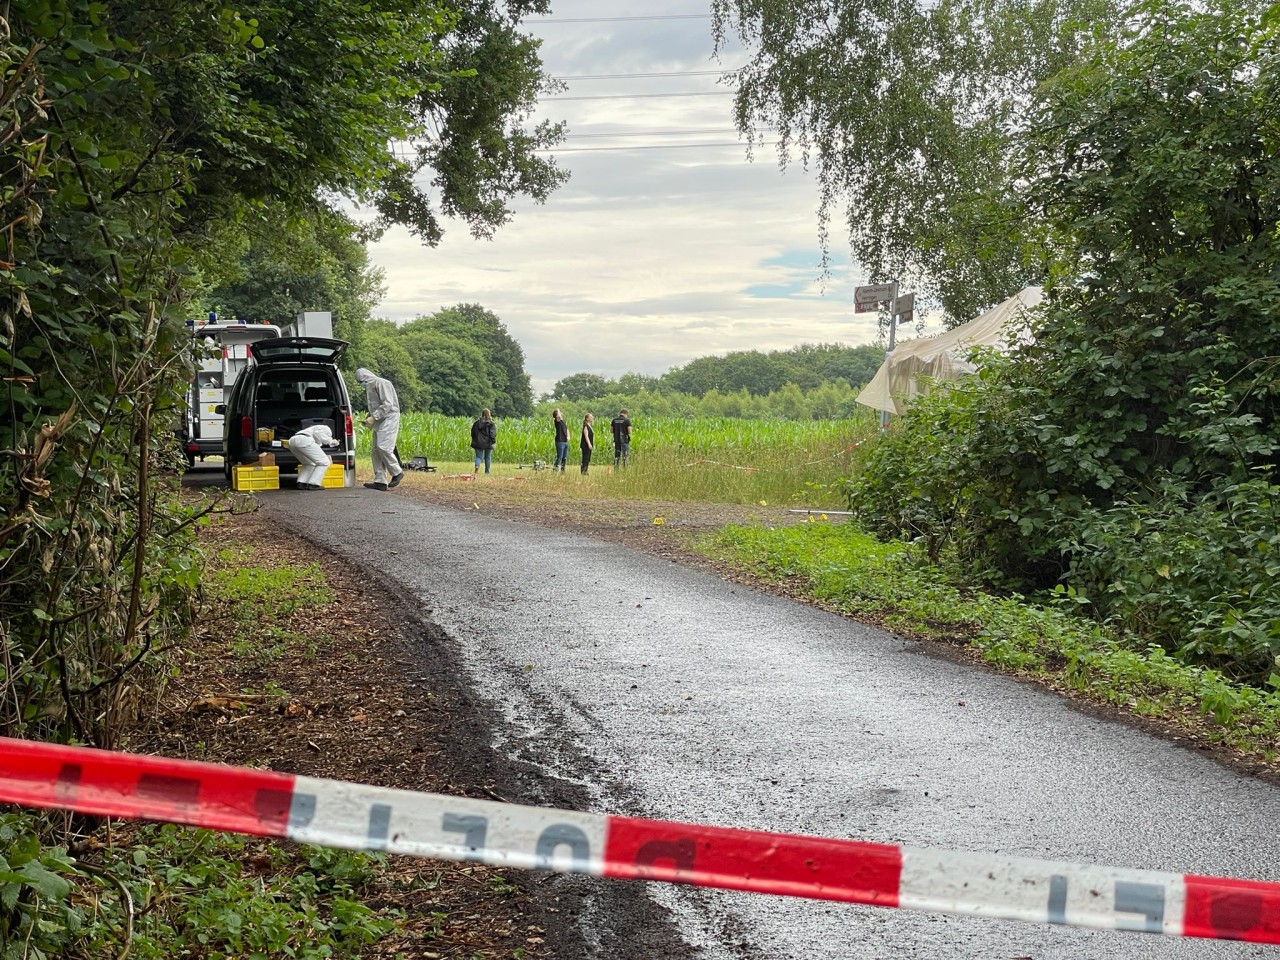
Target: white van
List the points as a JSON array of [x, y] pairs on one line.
[[221, 351]]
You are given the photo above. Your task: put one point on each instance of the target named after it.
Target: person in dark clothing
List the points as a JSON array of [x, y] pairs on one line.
[[621, 438], [484, 435], [562, 439], [587, 440]]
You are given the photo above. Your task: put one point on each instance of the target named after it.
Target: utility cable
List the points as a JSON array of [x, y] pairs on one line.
[[643, 96], [667, 16], [653, 146], [628, 76]]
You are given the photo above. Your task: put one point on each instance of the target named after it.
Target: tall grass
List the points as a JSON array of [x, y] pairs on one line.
[[713, 459]]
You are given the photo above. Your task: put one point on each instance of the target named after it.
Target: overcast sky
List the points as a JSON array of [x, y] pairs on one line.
[[666, 244]]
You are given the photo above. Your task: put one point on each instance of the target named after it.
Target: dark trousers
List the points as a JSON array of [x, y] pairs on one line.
[[586, 459]]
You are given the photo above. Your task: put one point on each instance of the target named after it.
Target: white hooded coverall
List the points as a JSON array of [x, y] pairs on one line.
[[307, 446], [384, 411]]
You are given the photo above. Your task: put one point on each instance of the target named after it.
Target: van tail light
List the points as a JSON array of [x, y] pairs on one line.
[[350, 426], [246, 427]]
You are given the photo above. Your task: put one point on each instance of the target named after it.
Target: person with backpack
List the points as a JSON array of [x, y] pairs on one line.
[[484, 436], [621, 425]]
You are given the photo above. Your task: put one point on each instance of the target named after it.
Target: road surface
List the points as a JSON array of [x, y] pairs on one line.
[[639, 687]]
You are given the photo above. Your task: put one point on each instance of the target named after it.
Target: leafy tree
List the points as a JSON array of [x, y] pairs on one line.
[[581, 386], [1129, 456], [829, 362], [698, 376], [383, 351], [501, 367], [453, 370], [1156, 160], [361, 99], [907, 111], [136, 139], [484, 152], [758, 373], [296, 262], [762, 374], [637, 383]]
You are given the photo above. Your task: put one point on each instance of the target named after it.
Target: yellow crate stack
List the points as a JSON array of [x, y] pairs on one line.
[[255, 478], [334, 477]]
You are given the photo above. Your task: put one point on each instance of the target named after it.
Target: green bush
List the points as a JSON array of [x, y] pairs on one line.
[[37, 916], [1194, 573], [964, 476], [175, 891], [981, 486]]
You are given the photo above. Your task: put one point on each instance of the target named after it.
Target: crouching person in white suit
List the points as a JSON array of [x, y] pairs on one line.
[[308, 446]]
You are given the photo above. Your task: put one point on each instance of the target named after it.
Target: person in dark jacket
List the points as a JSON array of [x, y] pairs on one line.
[[587, 440], [621, 425], [484, 435], [562, 439]]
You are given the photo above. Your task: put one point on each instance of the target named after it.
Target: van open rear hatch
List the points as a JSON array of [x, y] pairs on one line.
[[299, 350]]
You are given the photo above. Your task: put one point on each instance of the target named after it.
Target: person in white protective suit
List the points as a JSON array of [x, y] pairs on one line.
[[384, 421], [308, 446]]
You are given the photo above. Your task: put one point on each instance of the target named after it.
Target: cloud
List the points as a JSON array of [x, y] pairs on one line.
[[666, 246]]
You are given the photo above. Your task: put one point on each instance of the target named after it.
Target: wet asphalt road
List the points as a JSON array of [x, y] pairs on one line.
[[663, 692]]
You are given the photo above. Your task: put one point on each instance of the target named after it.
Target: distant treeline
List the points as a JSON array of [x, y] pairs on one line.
[[455, 361], [829, 401], [461, 359], [811, 381]]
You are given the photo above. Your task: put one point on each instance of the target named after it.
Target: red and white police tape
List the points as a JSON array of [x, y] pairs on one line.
[[337, 814]]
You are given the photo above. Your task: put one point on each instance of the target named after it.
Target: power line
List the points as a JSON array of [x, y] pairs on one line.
[[642, 96], [628, 76], [646, 133], [668, 16], [654, 146]]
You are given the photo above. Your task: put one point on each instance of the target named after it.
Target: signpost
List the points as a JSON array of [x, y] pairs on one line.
[[906, 309], [869, 299]]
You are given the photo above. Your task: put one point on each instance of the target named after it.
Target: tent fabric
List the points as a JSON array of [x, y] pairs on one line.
[[914, 364]]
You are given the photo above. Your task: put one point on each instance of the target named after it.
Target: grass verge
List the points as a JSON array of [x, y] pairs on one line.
[[667, 478], [853, 573]]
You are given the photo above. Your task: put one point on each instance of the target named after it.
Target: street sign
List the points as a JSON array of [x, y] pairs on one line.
[[868, 299], [907, 308]]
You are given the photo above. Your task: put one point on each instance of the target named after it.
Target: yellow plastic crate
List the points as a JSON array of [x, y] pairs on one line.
[[334, 477], [255, 478]]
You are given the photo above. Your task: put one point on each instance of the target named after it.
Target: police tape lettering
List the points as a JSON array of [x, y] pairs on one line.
[[337, 814]]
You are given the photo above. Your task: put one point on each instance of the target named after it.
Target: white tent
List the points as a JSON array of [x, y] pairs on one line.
[[939, 358]]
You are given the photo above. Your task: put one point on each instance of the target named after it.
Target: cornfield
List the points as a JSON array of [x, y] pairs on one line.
[[715, 459]]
